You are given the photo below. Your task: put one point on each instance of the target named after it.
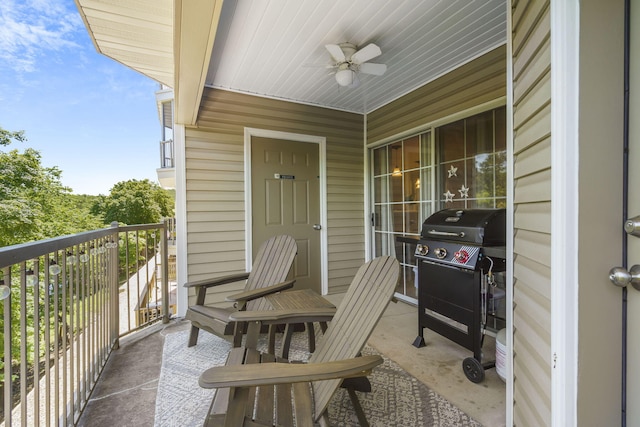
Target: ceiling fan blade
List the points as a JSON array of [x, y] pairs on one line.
[[327, 66], [368, 52], [371, 68], [336, 52]]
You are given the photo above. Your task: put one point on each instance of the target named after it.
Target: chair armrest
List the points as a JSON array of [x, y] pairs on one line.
[[280, 317], [284, 373], [261, 292], [207, 283]]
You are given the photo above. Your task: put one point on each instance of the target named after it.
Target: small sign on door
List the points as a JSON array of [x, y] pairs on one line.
[[281, 176]]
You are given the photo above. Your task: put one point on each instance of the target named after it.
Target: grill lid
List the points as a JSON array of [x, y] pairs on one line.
[[485, 227]]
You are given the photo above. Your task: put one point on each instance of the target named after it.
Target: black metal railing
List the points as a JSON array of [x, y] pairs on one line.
[[65, 302], [167, 158]]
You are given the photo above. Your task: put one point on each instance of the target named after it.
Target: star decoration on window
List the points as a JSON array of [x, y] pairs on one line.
[[453, 171], [448, 196], [464, 191]]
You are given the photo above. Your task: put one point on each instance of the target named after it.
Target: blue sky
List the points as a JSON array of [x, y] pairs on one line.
[[93, 118]]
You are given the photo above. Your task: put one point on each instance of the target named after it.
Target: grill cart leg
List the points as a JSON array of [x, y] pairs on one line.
[[419, 341]]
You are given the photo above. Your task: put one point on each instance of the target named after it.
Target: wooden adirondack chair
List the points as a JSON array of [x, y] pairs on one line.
[[301, 392], [268, 275]]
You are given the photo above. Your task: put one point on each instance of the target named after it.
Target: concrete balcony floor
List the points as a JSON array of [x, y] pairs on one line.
[[126, 392]]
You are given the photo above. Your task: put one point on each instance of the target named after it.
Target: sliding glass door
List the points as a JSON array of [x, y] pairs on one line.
[[457, 165]]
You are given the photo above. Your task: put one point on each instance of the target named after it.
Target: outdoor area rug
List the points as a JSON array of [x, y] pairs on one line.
[[396, 399]]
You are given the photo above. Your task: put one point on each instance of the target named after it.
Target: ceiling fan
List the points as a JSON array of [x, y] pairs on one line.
[[349, 61]]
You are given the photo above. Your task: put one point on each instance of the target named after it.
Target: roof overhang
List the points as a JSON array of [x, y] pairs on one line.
[[160, 39]]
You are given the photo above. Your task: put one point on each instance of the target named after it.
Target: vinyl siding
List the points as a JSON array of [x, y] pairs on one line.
[[532, 213], [214, 161], [479, 81]]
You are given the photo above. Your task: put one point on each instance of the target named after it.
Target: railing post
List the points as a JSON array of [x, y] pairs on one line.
[[165, 272], [113, 285]]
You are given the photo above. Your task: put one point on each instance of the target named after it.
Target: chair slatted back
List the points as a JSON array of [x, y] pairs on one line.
[[366, 299], [270, 266]]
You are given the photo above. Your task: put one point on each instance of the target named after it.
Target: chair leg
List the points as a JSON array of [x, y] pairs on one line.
[[193, 336], [362, 419]]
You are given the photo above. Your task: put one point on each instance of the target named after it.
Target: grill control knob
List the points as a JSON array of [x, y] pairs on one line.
[[440, 253], [461, 256], [422, 249]]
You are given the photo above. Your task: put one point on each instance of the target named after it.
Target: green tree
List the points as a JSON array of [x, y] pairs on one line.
[[33, 201], [134, 202]]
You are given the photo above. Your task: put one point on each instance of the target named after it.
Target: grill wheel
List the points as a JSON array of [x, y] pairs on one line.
[[473, 370]]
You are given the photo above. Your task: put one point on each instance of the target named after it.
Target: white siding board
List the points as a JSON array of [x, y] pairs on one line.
[[218, 236], [535, 99], [221, 186], [533, 245], [531, 407], [534, 131], [213, 226], [533, 188], [532, 212], [530, 76], [533, 353], [533, 217], [216, 196], [533, 160]]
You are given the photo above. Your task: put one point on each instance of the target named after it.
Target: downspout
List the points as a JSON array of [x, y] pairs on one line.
[[625, 204]]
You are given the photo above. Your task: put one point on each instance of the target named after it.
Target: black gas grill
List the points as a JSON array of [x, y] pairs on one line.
[[460, 254]]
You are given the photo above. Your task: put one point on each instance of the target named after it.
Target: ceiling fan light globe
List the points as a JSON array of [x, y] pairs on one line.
[[345, 77]]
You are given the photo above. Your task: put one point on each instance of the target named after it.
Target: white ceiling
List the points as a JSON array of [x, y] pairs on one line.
[[275, 48]]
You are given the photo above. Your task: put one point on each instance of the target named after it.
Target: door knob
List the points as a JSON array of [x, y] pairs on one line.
[[621, 277], [632, 226], [317, 227]]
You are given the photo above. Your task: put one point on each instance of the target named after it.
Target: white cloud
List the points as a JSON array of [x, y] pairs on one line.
[[34, 28]]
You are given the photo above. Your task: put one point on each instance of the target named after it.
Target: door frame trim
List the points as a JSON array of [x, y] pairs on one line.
[[565, 48], [322, 151]]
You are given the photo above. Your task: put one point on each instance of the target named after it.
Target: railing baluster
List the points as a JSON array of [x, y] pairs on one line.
[[66, 331], [8, 389], [36, 343], [23, 341]]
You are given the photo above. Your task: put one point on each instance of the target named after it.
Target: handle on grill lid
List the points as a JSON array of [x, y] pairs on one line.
[[446, 233]]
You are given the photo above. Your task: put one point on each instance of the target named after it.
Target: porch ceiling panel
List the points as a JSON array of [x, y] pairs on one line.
[[139, 34], [276, 48]]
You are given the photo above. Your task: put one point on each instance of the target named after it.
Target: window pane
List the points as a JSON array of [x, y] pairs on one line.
[[380, 161], [424, 184], [398, 216], [451, 141], [479, 137], [380, 191], [452, 178], [411, 152], [395, 159], [395, 188], [480, 176], [501, 129], [427, 210], [425, 149], [501, 174], [411, 185], [412, 218]]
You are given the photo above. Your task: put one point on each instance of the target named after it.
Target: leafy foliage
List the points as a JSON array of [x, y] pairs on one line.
[[34, 204], [134, 202]]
